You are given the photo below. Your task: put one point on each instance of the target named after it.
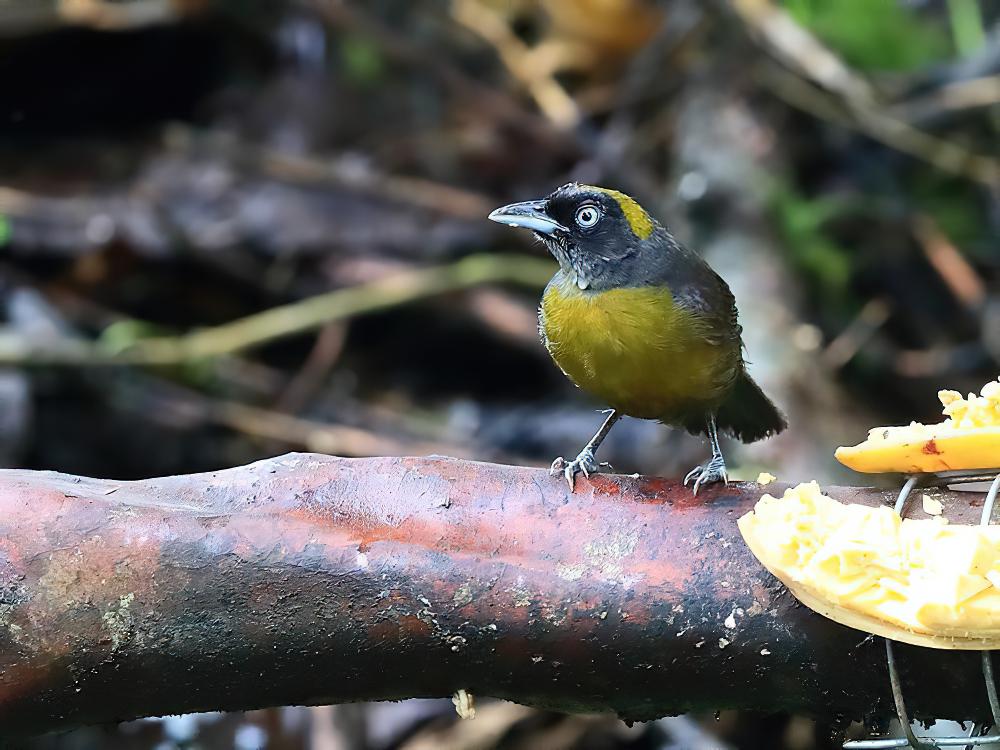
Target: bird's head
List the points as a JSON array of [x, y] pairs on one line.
[[599, 236]]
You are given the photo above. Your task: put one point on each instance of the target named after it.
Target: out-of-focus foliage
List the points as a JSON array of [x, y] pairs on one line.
[[814, 253], [875, 34]]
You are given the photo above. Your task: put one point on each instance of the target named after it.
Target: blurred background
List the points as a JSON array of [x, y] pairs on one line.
[[170, 166]]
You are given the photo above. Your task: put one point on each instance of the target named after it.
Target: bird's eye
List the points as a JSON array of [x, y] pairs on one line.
[[587, 216]]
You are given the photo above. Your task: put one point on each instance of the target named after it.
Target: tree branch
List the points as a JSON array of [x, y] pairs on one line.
[[309, 579], [294, 318]]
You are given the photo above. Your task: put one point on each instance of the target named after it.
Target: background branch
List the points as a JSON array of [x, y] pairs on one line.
[[294, 318]]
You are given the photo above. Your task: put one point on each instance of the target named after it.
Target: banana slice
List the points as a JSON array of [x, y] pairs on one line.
[[919, 581], [968, 439]]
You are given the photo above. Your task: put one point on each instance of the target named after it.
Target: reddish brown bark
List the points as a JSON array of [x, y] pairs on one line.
[[311, 579]]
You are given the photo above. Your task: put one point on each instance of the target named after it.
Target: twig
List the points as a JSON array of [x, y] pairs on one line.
[[307, 380], [812, 59], [848, 343], [951, 97], [956, 272], [163, 402], [550, 96], [801, 49], [18, 17], [286, 320], [510, 317], [935, 362], [86, 222], [76, 313], [945, 155], [319, 437], [117, 16], [406, 51], [313, 170]]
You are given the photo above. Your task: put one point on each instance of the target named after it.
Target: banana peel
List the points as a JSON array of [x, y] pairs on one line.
[[919, 581], [968, 439]]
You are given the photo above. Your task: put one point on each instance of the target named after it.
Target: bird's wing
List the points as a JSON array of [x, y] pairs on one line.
[[701, 291]]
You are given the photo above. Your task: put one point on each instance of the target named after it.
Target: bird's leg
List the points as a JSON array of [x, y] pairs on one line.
[[715, 469], [585, 461]]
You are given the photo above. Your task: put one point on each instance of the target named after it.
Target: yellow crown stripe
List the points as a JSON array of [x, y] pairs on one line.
[[637, 218]]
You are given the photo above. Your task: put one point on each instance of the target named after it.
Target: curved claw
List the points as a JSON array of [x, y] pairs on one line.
[[687, 477], [583, 463], [713, 471]]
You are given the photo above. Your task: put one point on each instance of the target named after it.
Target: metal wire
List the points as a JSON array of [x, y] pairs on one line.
[[944, 478], [897, 697], [927, 742], [991, 497], [905, 493], [991, 688], [975, 731], [910, 740], [991, 685]]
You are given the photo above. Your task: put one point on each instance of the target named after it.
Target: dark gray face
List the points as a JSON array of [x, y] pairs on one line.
[[592, 232]]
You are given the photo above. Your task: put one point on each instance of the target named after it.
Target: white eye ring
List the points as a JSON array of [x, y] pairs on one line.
[[587, 216]]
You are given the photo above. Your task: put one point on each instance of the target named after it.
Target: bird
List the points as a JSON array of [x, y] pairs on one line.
[[641, 323]]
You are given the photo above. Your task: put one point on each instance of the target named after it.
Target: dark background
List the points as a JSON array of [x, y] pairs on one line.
[[171, 166]]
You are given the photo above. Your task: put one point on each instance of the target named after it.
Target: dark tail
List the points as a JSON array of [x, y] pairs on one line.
[[748, 414]]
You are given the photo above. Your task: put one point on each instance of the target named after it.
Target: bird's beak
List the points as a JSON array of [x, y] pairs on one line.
[[530, 215]]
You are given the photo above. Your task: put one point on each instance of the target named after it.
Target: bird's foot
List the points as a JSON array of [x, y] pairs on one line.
[[584, 463], [713, 471]]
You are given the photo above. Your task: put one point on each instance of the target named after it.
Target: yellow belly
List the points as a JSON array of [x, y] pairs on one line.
[[636, 351]]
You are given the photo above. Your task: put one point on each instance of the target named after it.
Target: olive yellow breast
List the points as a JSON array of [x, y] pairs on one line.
[[636, 350]]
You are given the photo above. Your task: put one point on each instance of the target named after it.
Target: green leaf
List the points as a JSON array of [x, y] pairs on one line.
[[122, 334], [966, 25], [802, 222], [362, 59], [874, 34]]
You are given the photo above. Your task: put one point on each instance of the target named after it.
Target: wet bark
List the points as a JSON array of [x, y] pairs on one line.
[[308, 579]]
